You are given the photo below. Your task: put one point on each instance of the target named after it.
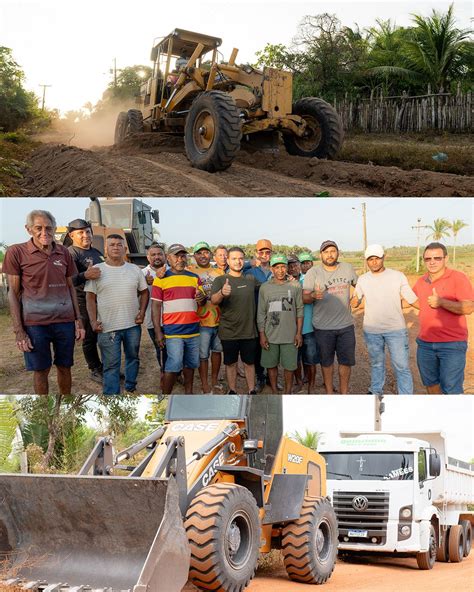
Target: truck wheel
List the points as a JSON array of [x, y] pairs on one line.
[[120, 127], [442, 553], [324, 132], [426, 559], [467, 528], [456, 543], [213, 131], [223, 527], [309, 544]]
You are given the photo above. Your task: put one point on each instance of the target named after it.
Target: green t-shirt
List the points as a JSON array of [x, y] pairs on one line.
[[279, 307], [238, 310]]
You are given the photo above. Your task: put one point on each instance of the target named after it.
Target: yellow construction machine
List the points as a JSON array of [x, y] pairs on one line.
[[217, 105], [218, 484]]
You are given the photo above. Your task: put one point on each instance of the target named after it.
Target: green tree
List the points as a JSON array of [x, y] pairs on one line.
[[309, 439], [128, 82], [440, 229], [456, 226], [8, 427]]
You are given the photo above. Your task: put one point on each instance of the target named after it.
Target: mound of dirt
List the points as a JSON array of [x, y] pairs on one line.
[[61, 171]]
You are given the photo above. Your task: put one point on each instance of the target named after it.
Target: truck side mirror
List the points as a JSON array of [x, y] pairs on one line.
[[435, 464], [154, 54], [155, 214]]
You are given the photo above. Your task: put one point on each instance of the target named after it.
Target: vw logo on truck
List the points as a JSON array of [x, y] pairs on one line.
[[360, 503]]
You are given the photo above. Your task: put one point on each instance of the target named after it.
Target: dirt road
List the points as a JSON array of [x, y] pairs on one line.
[[155, 165], [380, 575]]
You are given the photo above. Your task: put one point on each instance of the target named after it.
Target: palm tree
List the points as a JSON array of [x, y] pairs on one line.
[[309, 439], [440, 229], [456, 226]]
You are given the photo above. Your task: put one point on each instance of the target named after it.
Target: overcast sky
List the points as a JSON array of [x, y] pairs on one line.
[[71, 44], [291, 221]]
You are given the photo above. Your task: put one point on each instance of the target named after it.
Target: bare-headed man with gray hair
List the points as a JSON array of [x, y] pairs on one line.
[[43, 302]]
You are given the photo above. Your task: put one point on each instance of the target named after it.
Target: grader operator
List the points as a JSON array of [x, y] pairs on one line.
[[218, 105], [218, 485]]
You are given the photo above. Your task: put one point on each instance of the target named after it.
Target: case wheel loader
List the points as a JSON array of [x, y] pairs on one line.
[[218, 105], [218, 485]]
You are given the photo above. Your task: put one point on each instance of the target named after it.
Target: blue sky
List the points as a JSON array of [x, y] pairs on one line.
[[306, 222]]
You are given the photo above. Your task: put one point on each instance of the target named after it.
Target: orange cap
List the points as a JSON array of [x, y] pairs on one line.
[[264, 243]]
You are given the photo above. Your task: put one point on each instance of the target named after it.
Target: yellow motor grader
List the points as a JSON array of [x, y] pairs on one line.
[[217, 105], [218, 484]]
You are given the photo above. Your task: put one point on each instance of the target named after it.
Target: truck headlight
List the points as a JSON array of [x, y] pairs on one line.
[[405, 530], [406, 513]]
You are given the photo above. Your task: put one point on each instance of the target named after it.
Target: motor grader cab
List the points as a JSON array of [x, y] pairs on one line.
[[128, 217], [217, 105], [218, 484]]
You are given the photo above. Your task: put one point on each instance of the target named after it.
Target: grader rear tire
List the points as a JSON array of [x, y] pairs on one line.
[[456, 543], [128, 122], [324, 133], [426, 559], [120, 127], [213, 131], [467, 528], [309, 544], [223, 527]]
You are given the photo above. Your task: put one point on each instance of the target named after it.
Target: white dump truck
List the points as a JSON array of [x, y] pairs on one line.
[[400, 494]]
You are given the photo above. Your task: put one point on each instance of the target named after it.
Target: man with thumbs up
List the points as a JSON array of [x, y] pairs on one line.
[[445, 297], [85, 256]]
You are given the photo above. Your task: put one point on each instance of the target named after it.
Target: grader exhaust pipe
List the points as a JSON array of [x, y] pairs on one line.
[[110, 532]]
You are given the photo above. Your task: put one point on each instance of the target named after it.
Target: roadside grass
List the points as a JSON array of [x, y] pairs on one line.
[[411, 151], [15, 148]]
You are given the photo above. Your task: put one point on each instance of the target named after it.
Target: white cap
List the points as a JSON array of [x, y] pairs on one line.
[[374, 251]]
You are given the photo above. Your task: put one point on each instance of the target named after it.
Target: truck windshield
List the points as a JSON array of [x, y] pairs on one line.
[[205, 407], [369, 466], [116, 215]]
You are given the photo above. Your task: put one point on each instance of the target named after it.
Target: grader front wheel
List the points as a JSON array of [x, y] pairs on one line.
[[212, 132], [223, 528], [324, 134]]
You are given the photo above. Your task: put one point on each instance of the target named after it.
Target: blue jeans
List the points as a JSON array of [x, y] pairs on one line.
[[397, 344], [442, 363], [110, 345]]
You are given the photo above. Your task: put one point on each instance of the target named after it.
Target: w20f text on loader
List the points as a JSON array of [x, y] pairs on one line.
[[218, 485], [217, 106]]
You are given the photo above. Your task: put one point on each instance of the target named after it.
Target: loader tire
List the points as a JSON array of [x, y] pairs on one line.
[[426, 559], [309, 544], [442, 553], [467, 528], [324, 133], [129, 122], [213, 131], [456, 543], [223, 527]]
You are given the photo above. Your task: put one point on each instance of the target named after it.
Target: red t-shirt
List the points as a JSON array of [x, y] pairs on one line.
[[438, 324], [45, 295]]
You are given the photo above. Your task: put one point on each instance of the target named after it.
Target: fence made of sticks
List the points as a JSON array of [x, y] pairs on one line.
[[441, 111]]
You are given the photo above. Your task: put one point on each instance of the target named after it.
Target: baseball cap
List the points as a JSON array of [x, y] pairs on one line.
[[374, 251], [78, 224], [263, 243], [305, 257], [276, 259], [292, 259], [176, 248], [201, 245], [326, 244]]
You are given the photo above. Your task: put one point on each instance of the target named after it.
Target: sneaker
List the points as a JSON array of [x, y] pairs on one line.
[[253, 392], [231, 392], [261, 384], [96, 376]]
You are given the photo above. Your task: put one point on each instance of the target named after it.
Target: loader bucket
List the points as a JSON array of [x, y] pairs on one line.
[[104, 532]]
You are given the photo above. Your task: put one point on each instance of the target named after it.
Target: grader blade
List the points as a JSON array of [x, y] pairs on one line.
[[118, 533]]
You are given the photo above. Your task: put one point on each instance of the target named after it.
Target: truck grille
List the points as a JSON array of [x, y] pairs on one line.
[[372, 519]]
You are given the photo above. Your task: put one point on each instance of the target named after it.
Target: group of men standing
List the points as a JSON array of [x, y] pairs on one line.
[[271, 312]]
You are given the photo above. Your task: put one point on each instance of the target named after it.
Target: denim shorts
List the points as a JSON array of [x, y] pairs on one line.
[[442, 363], [310, 350], [62, 336], [209, 342], [181, 352], [340, 342]]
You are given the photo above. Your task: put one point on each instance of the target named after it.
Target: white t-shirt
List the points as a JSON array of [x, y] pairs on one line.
[[382, 292], [117, 295]]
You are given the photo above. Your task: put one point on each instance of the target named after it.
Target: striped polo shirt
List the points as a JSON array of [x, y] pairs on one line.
[[177, 293]]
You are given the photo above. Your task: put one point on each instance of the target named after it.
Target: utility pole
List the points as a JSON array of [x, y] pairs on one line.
[[45, 86], [364, 230], [378, 410], [418, 228]]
